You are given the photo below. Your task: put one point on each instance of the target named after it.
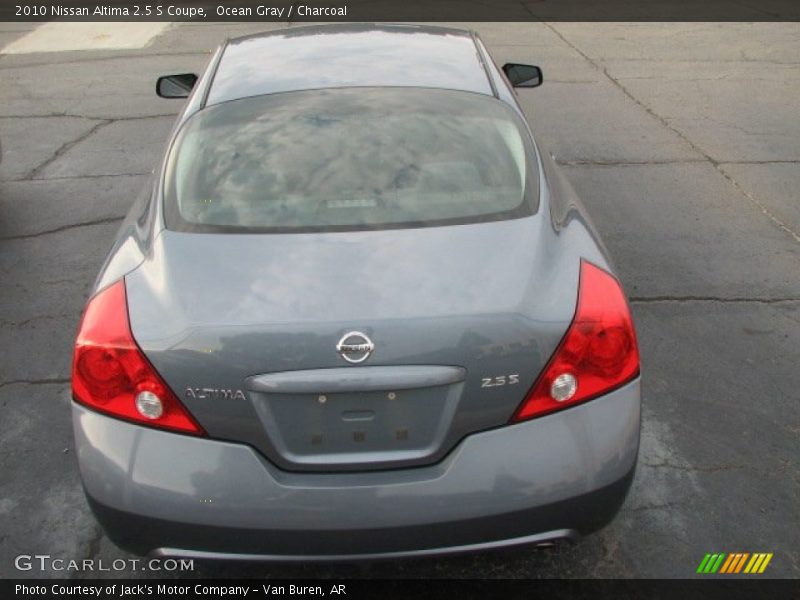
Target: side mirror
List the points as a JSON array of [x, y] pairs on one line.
[[523, 76], [175, 86]]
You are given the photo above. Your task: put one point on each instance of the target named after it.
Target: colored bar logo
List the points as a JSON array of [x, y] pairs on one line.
[[737, 562]]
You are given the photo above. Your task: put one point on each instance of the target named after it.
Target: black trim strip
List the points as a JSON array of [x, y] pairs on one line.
[[482, 60], [214, 68]]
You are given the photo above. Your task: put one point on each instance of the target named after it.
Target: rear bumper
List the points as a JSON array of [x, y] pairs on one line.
[[562, 475]]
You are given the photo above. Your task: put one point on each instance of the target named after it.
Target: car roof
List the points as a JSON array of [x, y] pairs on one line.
[[355, 55]]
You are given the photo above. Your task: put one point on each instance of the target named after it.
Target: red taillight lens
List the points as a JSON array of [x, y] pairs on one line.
[[597, 354], [109, 371]]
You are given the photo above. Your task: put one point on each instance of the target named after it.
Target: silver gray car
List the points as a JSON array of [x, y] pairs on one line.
[[357, 313]]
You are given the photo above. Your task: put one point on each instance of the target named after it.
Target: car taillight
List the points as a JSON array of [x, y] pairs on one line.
[[111, 374], [596, 355]]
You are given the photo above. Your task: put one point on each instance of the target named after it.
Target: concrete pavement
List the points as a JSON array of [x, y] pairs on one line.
[[682, 139]]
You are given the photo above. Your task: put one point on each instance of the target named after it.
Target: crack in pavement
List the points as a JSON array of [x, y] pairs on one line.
[[50, 381], [758, 204], [70, 177], [654, 506], [26, 236], [56, 115], [722, 299], [722, 77], [716, 164], [580, 162], [6, 323], [78, 61], [65, 147], [599, 162], [693, 469], [567, 81], [696, 60], [760, 162], [33, 175]]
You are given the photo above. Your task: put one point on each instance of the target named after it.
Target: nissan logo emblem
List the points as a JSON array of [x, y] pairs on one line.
[[355, 347]]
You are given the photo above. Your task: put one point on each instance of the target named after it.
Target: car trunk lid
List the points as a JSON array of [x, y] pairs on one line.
[[245, 329]]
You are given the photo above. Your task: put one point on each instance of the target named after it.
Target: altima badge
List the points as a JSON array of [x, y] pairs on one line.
[[214, 393], [355, 347]]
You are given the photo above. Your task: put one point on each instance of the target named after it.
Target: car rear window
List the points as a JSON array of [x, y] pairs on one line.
[[349, 158]]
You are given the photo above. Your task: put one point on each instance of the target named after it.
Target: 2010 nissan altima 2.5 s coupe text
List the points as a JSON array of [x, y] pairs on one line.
[[357, 313]]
